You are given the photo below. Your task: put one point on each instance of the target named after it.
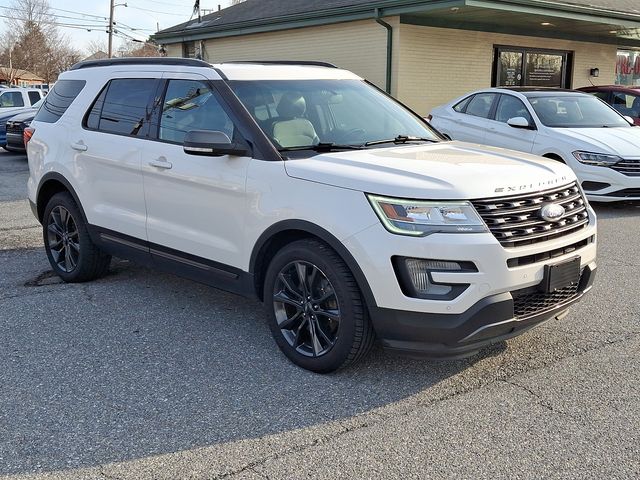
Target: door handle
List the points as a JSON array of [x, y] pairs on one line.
[[163, 164], [79, 146]]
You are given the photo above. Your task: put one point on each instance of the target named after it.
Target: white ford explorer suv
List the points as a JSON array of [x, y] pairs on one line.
[[306, 187]]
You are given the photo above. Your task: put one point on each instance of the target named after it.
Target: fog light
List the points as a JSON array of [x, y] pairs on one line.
[[419, 273], [416, 281]]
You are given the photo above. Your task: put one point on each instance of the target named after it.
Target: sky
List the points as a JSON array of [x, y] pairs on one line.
[[138, 19]]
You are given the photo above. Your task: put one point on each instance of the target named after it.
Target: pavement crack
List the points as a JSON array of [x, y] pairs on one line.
[[295, 449], [539, 400], [103, 474], [382, 416]]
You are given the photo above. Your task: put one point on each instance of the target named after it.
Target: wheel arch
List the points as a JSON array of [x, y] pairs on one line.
[[288, 231], [50, 184], [554, 156]]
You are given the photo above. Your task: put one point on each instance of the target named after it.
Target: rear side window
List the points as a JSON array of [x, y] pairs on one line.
[[34, 96], [11, 99], [123, 107], [59, 99]]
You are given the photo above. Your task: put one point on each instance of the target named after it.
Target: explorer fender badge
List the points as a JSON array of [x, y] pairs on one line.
[[552, 212]]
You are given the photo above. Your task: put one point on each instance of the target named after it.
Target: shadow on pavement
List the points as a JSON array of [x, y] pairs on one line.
[[139, 363]]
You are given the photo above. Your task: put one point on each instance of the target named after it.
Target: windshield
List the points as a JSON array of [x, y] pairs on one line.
[[306, 113], [575, 111]]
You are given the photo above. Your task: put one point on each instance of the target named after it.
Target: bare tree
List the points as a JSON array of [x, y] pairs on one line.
[[139, 49], [95, 46], [33, 42]]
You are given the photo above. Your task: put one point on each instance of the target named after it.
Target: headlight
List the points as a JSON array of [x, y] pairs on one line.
[[419, 218], [597, 159]]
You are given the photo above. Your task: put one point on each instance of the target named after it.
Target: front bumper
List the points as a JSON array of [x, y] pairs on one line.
[[489, 321], [620, 187], [485, 311]]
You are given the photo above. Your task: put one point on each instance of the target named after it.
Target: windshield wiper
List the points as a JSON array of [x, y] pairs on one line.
[[322, 147], [400, 140]]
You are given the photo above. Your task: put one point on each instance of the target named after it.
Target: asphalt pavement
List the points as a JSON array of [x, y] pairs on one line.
[[146, 375]]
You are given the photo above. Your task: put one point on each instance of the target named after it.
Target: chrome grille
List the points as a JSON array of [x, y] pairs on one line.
[[630, 168], [515, 220]]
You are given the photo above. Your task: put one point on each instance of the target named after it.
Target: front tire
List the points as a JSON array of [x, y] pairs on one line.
[[315, 308], [72, 254]]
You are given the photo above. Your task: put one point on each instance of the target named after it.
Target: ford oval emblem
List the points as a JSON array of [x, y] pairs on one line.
[[552, 212]]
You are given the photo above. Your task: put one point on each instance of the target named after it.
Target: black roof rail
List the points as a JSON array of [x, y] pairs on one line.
[[185, 62], [283, 62]]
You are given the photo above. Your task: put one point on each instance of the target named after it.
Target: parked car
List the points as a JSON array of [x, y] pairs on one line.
[[14, 128], [15, 99], [625, 100], [305, 187], [575, 128], [3, 126]]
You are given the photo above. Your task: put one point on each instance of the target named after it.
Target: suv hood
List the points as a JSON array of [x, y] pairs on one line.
[[619, 141], [446, 170]]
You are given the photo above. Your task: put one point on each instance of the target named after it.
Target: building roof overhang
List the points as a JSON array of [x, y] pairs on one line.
[[571, 19]]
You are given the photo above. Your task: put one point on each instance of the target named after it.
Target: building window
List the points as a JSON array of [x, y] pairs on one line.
[[529, 67], [189, 49], [628, 67]]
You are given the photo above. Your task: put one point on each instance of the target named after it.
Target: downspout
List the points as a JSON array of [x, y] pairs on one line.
[[389, 49]]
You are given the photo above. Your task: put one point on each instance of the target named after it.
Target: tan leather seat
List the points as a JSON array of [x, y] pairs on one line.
[[291, 129]]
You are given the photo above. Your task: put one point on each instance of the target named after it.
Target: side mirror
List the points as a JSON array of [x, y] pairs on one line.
[[519, 122], [212, 143], [629, 119]]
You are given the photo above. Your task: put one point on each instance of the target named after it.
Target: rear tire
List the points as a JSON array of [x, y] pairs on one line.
[[72, 254], [321, 324]]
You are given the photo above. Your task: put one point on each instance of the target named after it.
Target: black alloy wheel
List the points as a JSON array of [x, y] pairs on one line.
[[316, 311], [63, 239], [306, 308], [71, 252]]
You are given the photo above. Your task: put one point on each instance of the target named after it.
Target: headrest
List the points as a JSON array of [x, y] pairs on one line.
[[292, 105]]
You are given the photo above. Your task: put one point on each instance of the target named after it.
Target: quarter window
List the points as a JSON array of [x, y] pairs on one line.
[[191, 105], [480, 105], [461, 106], [511, 107], [11, 99], [64, 92], [123, 107]]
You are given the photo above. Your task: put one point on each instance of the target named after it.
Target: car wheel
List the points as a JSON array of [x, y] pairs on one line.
[[315, 308], [72, 254]]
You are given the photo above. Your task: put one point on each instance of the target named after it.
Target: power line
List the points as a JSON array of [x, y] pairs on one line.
[[99, 22], [152, 11], [62, 25], [174, 4]]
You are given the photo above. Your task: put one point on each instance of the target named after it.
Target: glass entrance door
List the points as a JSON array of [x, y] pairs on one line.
[[525, 67]]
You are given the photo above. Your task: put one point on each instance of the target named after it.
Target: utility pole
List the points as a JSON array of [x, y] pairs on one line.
[[111, 28]]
